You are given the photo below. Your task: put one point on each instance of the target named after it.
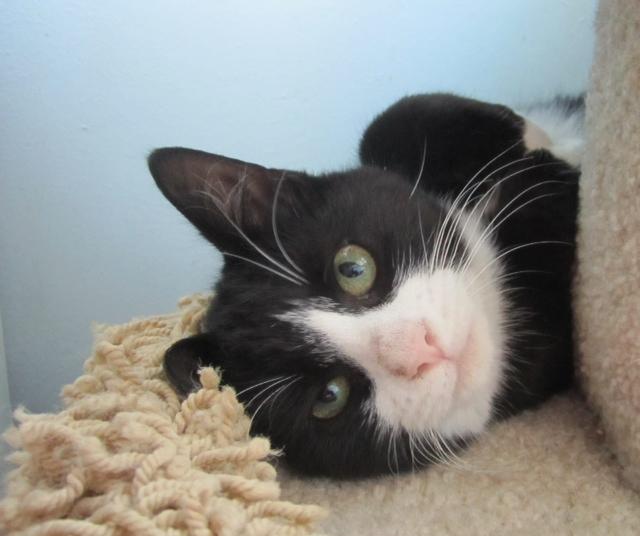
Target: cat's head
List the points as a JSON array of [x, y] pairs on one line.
[[359, 318]]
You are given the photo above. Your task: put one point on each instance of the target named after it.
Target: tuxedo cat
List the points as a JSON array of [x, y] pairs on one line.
[[375, 320]]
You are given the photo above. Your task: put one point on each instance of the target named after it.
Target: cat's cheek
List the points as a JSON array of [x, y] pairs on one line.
[[479, 375], [478, 367]]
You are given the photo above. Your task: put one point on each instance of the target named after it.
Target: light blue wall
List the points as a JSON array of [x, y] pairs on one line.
[[88, 88]]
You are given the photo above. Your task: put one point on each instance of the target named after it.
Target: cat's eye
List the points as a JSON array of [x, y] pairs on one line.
[[354, 269], [333, 399]]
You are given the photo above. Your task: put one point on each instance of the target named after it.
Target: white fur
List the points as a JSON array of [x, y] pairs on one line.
[[552, 127], [464, 310]]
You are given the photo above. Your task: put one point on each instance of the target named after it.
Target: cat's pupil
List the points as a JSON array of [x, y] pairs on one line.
[[330, 394], [351, 269]]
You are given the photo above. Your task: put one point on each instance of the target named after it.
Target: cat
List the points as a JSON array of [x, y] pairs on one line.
[[377, 319]]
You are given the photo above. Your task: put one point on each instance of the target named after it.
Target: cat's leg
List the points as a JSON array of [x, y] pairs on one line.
[[451, 141]]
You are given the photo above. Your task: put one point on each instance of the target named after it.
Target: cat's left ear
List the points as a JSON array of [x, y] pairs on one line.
[[183, 360], [224, 197]]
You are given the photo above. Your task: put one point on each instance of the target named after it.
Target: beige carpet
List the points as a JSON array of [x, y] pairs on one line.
[[607, 288], [545, 472]]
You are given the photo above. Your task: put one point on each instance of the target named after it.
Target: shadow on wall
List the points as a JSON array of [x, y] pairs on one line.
[[5, 405]]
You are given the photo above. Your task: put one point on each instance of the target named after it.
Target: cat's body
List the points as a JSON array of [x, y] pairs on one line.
[[374, 319]]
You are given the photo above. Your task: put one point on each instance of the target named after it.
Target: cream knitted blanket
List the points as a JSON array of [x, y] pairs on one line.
[[126, 458]]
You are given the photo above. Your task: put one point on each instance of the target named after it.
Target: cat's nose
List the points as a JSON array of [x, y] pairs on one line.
[[417, 351], [425, 353]]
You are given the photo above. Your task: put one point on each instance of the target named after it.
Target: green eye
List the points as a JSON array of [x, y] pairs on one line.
[[332, 399], [355, 270]]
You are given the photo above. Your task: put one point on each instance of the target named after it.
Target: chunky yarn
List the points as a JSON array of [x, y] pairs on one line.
[[126, 457]]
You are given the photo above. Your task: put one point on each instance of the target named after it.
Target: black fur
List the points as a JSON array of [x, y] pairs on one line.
[[369, 206]]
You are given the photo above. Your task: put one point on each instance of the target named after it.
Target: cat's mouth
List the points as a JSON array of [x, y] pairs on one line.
[[477, 364], [462, 358]]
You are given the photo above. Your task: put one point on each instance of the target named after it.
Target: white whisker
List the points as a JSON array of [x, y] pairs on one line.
[[423, 449], [516, 248], [263, 266], [280, 393], [217, 204], [506, 277], [466, 194], [274, 396], [251, 387], [469, 188], [263, 391], [275, 227], [422, 164], [493, 160], [487, 195], [424, 245], [492, 227], [395, 453], [389, 452]]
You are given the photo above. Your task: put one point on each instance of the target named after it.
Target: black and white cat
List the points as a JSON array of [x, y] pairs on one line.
[[374, 319]]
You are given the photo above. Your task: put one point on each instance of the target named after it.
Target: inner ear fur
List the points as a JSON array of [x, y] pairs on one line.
[[223, 197]]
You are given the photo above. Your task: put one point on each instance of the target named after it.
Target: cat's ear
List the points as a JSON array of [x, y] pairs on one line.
[[221, 196], [183, 360]]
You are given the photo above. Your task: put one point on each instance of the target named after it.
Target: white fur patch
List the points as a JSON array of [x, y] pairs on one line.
[[552, 127], [461, 310], [534, 137]]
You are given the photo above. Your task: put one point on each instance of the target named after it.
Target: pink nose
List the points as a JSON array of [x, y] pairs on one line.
[[411, 353]]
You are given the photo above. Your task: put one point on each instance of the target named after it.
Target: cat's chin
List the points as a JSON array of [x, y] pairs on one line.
[[439, 402]]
